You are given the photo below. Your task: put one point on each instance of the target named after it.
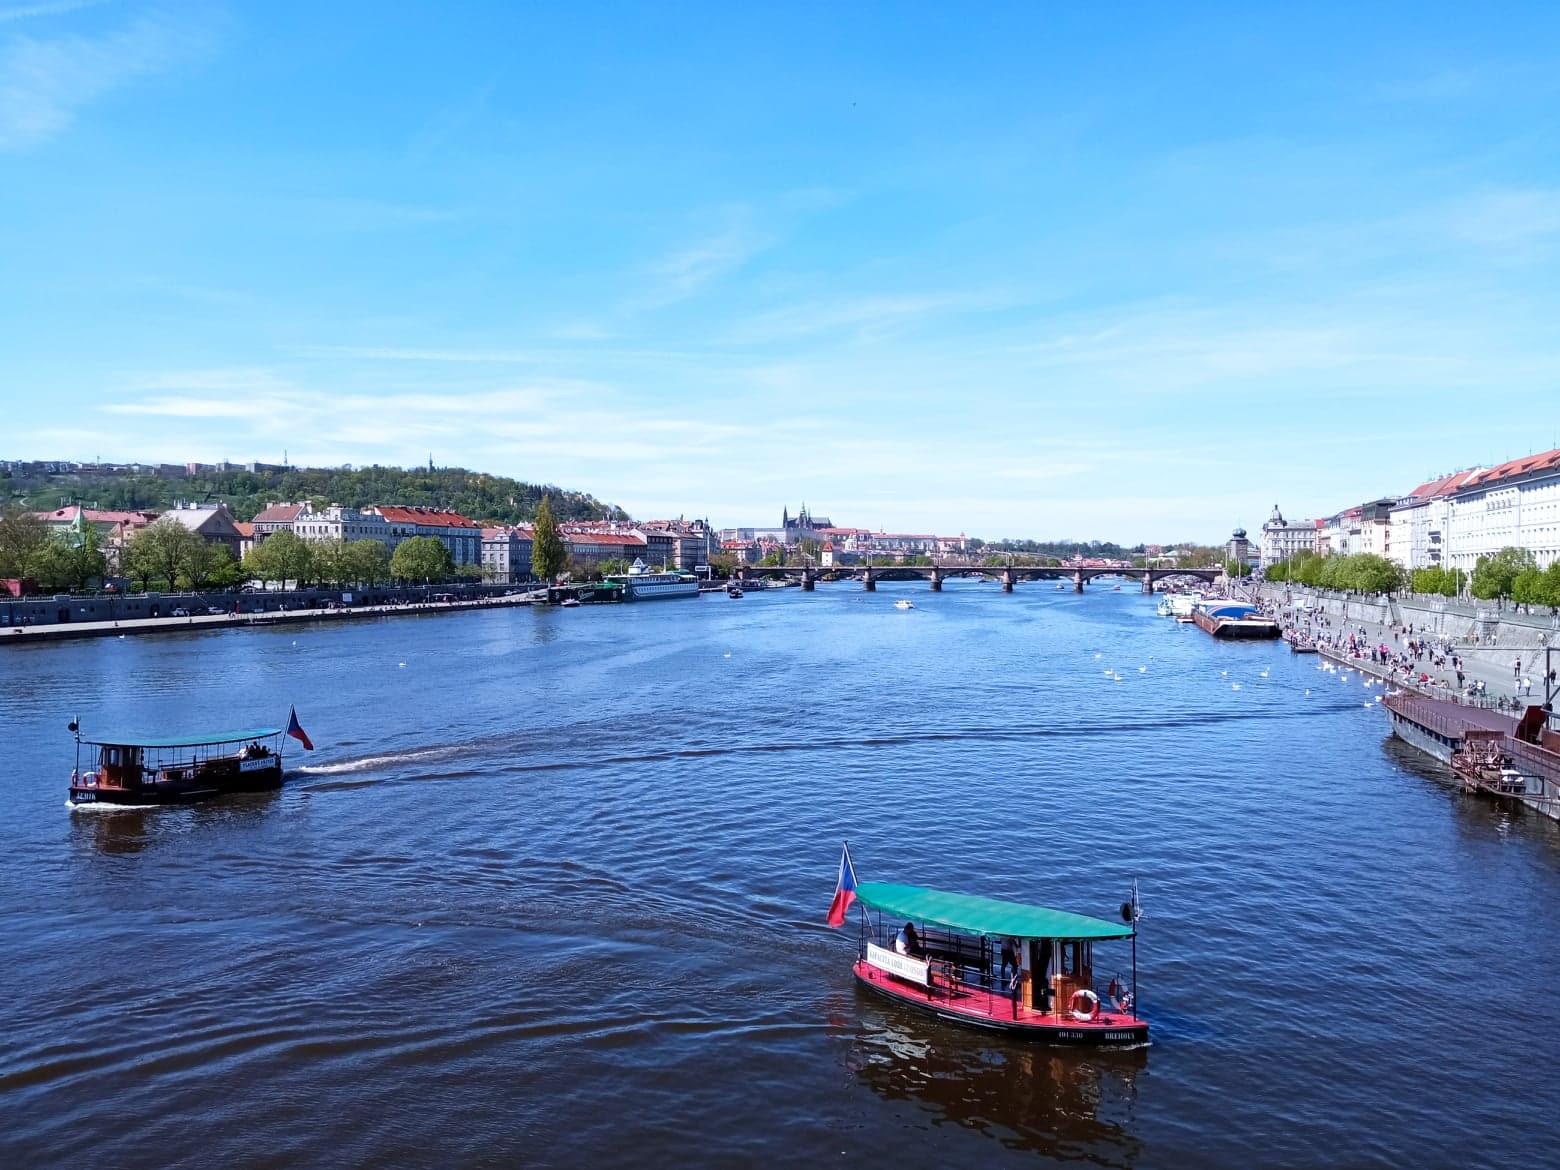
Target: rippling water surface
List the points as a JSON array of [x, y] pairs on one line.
[[551, 890]]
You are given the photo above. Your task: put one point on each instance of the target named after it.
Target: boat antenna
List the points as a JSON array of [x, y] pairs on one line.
[[1136, 1011]]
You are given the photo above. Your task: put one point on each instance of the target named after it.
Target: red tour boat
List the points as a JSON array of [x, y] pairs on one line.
[[1025, 970], [143, 771]]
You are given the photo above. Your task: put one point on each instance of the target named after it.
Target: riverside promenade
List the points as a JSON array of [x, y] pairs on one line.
[[63, 631], [1491, 665]]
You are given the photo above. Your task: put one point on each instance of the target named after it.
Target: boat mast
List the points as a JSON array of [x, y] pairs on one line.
[[1135, 1011]]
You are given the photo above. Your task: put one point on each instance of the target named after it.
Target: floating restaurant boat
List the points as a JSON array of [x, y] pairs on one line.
[[642, 584], [1025, 970], [1233, 619], [135, 771], [1490, 752]]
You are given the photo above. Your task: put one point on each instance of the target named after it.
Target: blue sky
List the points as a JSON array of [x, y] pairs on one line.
[[1128, 272]]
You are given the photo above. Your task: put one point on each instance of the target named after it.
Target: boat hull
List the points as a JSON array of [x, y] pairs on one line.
[[995, 1013], [195, 785], [1243, 628]]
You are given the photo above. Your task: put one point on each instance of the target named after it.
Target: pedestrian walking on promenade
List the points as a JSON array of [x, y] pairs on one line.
[[1516, 670]]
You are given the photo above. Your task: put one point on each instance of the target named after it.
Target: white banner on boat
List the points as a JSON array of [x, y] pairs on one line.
[[896, 964]]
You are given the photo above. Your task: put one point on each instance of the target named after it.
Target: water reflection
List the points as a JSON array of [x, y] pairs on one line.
[[1061, 1102], [124, 830]]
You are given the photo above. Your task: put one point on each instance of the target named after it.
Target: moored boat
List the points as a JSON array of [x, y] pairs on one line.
[[1025, 970], [1233, 619], [642, 584]]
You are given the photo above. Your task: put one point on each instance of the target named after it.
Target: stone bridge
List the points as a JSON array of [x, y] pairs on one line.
[[869, 574]]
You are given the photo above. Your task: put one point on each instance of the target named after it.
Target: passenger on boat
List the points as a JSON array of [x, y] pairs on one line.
[[907, 942], [256, 751], [1009, 956]]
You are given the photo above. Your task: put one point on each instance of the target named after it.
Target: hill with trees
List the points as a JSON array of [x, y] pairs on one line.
[[475, 494]]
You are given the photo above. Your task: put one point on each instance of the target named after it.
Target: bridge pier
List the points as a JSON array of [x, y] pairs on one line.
[[1078, 581], [1008, 579], [809, 582], [1148, 583], [868, 581], [936, 579]]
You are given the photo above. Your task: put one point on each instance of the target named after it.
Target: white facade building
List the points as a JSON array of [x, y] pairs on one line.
[[339, 523], [1282, 539], [1514, 505], [1420, 522]]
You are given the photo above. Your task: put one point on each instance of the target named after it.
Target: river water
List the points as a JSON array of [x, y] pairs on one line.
[[551, 891]]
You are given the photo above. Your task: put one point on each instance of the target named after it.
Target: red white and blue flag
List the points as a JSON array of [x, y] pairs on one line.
[[297, 732], [844, 890]]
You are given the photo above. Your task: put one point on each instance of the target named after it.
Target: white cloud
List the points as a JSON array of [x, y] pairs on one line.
[[45, 83], [1507, 218], [46, 8], [872, 315], [687, 272]]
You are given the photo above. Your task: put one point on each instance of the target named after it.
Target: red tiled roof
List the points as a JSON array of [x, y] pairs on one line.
[[432, 517], [246, 528], [278, 514], [1444, 486], [96, 515], [621, 539], [1512, 468]]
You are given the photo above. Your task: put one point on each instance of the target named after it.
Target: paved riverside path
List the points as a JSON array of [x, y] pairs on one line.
[[60, 631], [1489, 665]]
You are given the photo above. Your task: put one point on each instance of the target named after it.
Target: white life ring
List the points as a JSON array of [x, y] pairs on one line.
[[1092, 1012]]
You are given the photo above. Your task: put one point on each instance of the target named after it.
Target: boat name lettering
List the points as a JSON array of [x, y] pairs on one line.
[[896, 964], [255, 765]]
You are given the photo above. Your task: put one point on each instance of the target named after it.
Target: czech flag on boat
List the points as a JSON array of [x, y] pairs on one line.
[[844, 890], [302, 736]]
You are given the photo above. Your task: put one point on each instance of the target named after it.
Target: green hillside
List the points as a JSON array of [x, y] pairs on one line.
[[472, 493]]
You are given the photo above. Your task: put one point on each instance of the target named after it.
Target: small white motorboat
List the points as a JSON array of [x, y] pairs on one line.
[[904, 603]]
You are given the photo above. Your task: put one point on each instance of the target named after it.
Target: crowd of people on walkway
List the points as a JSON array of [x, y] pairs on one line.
[[1415, 658]]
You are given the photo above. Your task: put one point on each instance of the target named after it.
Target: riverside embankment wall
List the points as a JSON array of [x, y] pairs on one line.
[[37, 611], [1493, 626]]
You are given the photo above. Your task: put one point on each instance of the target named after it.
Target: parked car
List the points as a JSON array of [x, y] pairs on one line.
[[180, 612], [215, 610]]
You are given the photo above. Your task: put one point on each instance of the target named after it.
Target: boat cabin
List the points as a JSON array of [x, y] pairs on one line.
[[1022, 969], [165, 771]]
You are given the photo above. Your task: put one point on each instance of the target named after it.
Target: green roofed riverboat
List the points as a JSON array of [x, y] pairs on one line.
[[1026, 970], [124, 770]]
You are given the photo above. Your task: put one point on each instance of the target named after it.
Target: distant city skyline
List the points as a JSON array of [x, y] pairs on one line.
[[1131, 273]]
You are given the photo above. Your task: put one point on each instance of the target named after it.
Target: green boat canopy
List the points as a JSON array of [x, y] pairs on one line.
[[984, 915], [211, 739]]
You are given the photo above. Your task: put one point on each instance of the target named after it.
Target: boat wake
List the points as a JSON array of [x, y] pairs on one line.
[[825, 744], [103, 806], [364, 763]]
